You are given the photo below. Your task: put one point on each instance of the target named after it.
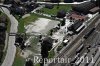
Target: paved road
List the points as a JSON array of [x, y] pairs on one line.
[[73, 45], [63, 2], [11, 51]]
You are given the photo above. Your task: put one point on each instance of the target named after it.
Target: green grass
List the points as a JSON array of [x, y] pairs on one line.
[[33, 17], [18, 61], [55, 10], [21, 28], [1, 14], [34, 42], [8, 27], [25, 21], [51, 54], [37, 64], [29, 19]]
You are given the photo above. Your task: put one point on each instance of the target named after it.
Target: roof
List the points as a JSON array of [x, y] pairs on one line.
[[94, 10], [77, 25], [84, 7], [76, 16]]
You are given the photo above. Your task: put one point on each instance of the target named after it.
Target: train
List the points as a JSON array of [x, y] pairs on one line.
[[80, 49], [89, 33]]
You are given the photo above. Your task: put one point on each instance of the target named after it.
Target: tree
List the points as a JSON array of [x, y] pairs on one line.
[[1, 55], [46, 46], [51, 32], [98, 2], [29, 63], [58, 5], [0, 12], [63, 22], [19, 39], [58, 26], [22, 46]]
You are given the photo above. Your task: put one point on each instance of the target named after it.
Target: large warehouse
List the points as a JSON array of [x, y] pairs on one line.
[[85, 8]]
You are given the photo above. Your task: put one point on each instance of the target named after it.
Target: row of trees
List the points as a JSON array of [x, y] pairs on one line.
[[3, 27], [46, 46]]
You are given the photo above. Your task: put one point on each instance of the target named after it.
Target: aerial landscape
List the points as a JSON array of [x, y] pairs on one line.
[[49, 32]]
